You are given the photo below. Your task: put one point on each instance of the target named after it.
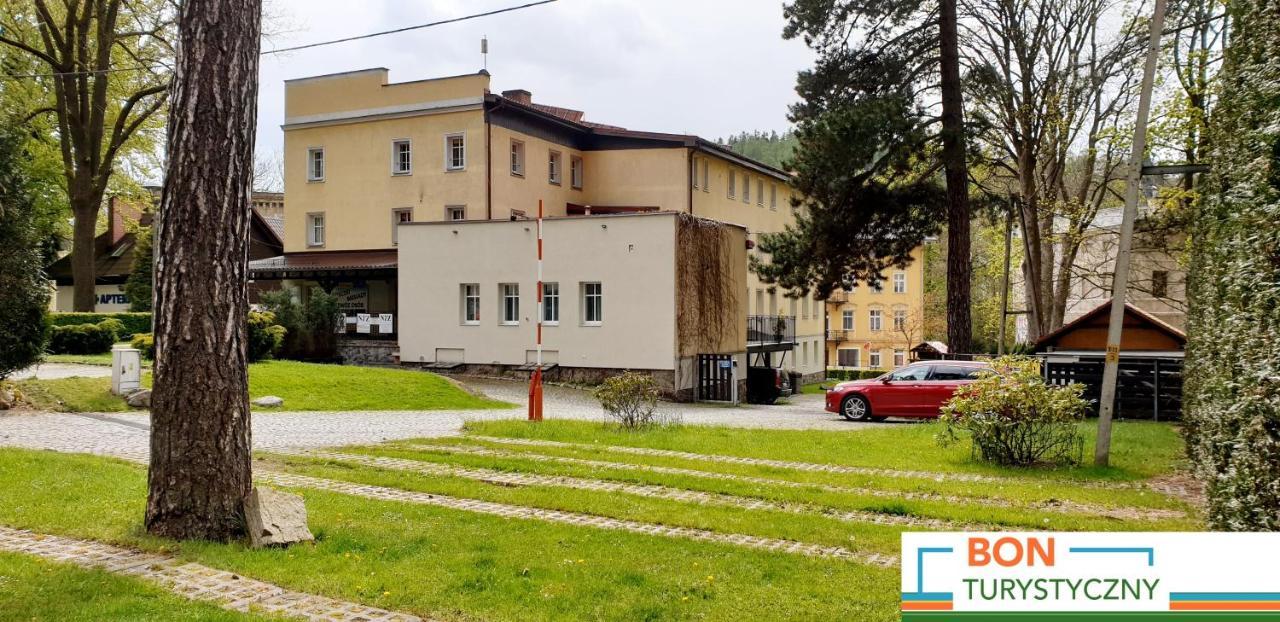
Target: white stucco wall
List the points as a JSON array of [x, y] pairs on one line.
[[633, 256], [107, 299]]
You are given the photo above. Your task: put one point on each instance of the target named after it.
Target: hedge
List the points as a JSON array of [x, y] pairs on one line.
[[133, 322], [854, 374], [83, 338]]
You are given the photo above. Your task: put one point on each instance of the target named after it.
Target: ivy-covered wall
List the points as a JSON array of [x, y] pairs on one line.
[[1232, 391]]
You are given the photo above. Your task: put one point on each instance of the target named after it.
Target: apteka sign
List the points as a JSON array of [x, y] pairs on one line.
[[1064, 576]]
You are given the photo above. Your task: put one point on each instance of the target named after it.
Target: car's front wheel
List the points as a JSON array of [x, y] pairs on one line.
[[855, 408]]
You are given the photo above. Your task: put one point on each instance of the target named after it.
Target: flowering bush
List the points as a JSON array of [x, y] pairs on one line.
[[1014, 418]]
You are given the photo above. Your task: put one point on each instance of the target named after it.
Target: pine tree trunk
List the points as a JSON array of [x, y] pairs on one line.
[[959, 323], [200, 447]]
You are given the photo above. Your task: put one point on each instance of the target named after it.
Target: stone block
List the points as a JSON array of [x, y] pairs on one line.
[[275, 518]]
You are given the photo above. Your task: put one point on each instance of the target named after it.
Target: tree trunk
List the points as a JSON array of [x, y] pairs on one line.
[[959, 323], [83, 270], [200, 446]]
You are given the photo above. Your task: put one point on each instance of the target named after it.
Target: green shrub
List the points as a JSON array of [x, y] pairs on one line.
[[133, 323], [265, 336], [24, 290], [309, 326], [630, 399], [1014, 418], [81, 339], [114, 327], [854, 374], [146, 344]]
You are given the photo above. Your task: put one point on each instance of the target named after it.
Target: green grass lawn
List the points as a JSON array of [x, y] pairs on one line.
[[457, 565], [817, 388], [304, 386]]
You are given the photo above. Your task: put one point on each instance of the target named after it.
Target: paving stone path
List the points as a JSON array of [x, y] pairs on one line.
[[194, 581], [644, 490], [1054, 506], [573, 518]]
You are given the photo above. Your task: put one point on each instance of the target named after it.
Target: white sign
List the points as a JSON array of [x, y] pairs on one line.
[[1102, 576]]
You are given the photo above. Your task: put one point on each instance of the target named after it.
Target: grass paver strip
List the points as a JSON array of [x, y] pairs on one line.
[[1058, 506], [815, 467], [194, 581], [573, 518], [645, 490]]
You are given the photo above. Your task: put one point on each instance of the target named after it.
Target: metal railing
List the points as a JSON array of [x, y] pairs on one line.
[[771, 329], [838, 335]]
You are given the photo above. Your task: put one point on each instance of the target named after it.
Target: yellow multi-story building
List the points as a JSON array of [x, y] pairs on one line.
[[365, 157], [874, 326]]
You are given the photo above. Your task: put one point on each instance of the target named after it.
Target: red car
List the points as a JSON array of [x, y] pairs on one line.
[[917, 390]]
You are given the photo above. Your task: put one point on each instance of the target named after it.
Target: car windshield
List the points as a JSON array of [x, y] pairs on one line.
[[915, 372]]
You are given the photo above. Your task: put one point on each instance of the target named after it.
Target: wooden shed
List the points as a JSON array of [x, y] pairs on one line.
[[1143, 332]]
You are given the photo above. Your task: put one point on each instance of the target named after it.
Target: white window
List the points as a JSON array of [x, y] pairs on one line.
[[455, 212], [315, 164], [746, 188], [760, 192], [553, 167], [804, 307], [773, 196], [551, 303], [706, 176], [455, 152], [875, 319], [517, 158], [900, 320], [592, 304], [877, 286], [846, 319], [401, 157], [575, 172], [471, 303], [849, 357], [899, 283], [899, 358], [510, 295], [315, 229], [693, 173], [733, 183], [873, 359], [399, 216]]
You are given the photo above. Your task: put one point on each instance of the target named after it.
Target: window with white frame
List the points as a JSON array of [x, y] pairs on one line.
[[899, 358], [455, 212], [706, 176], [315, 229], [760, 192], [899, 283], [592, 304], [509, 295], [746, 188], [693, 173], [401, 157], [733, 183], [773, 196], [517, 158], [900, 320], [877, 286], [455, 152], [575, 172], [873, 359], [849, 357], [553, 167], [470, 303], [804, 307], [846, 320], [398, 217], [315, 164], [874, 318], [551, 303]]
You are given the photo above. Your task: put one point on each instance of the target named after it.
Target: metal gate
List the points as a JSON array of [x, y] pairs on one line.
[[715, 378]]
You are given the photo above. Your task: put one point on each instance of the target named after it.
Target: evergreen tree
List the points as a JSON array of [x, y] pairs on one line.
[[1232, 393], [24, 292], [137, 287]]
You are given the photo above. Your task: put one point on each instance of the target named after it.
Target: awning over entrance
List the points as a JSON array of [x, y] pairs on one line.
[[328, 264]]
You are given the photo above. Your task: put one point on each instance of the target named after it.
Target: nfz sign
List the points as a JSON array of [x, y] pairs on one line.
[[1090, 576]]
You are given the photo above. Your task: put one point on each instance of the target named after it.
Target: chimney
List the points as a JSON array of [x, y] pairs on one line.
[[520, 96]]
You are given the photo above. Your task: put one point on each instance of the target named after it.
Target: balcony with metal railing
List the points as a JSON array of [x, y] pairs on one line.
[[771, 332], [838, 335]]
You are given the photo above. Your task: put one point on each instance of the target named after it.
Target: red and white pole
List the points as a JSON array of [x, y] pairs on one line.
[[535, 381]]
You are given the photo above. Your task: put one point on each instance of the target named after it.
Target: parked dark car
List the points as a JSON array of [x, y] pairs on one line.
[[917, 390], [766, 384]]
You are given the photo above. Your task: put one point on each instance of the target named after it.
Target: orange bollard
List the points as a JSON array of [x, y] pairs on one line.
[[535, 396]]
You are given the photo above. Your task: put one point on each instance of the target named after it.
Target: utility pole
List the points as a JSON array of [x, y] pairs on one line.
[[1120, 281], [535, 381]]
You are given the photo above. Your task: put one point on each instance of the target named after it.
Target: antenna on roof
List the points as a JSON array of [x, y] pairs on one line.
[[484, 50]]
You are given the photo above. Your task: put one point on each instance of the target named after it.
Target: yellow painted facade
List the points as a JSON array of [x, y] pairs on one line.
[[853, 339], [356, 119]]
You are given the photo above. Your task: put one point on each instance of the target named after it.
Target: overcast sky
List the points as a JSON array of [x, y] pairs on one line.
[[705, 67]]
